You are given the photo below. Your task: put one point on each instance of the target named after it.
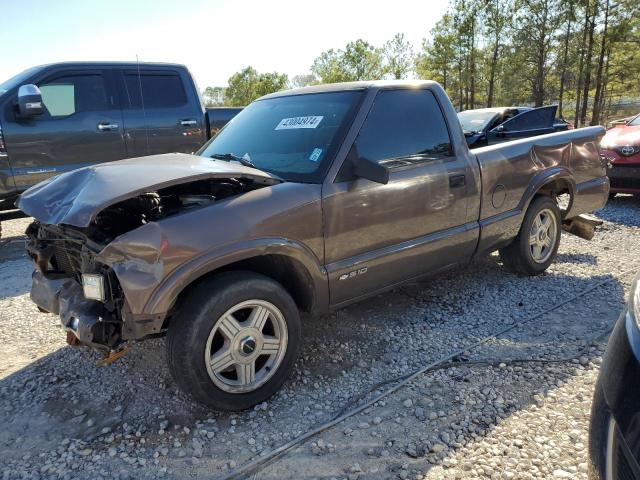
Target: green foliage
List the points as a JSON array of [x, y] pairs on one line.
[[214, 96], [271, 82], [299, 81], [247, 85], [535, 52], [494, 53], [328, 67], [358, 61], [398, 57], [436, 59], [363, 61]]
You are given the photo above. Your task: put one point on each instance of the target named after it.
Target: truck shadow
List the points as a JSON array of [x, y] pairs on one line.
[[15, 266], [15, 270], [12, 249], [63, 395], [582, 258]]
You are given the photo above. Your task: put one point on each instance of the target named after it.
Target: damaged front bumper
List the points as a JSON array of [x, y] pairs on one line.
[[64, 258], [89, 321]]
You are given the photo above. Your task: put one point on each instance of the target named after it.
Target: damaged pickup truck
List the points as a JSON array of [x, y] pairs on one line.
[[308, 200]]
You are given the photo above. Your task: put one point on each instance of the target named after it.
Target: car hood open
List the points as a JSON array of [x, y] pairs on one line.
[[75, 198]]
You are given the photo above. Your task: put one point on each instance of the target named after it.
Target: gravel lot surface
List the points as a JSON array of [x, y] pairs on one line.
[[64, 417]]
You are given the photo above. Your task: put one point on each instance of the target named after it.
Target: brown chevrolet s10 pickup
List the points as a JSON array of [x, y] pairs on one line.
[[308, 200]]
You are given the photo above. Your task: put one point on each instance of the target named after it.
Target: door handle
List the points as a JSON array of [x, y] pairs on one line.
[[188, 123], [456, 181], [107, 127]]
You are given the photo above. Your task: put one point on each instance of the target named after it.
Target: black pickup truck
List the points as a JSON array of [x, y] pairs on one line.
[[58, 117]]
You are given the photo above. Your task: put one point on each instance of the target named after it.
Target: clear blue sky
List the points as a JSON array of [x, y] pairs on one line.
[[214, 38]]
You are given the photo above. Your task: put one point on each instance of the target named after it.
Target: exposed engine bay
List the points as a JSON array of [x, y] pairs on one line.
[[65, 256], [153, 206]]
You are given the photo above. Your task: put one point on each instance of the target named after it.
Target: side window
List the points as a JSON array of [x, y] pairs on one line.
[[541, 117], [404, 123], [65, 96], [158, 90], [499, 119]]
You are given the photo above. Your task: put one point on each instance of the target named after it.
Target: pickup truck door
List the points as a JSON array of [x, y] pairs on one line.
[[81, 125], [162, 112], [377, 235], [531, 123]]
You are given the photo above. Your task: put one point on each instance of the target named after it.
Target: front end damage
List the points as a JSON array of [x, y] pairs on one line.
[[71, 278], [61, 257]]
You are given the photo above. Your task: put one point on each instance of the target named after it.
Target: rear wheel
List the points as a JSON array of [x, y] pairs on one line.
[[234, 341], [536, 245]]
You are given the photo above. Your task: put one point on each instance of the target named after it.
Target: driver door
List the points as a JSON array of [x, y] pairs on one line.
[[81, 125], [377, 235]]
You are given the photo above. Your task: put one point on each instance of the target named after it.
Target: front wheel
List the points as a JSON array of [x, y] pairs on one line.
[[536, 245], [234, 341]]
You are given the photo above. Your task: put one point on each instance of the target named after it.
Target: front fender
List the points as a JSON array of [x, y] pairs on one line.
[[156, 261], [166, 293]]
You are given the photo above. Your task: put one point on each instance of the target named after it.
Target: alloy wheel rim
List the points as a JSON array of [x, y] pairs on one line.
[[542, 236], [246, 346]]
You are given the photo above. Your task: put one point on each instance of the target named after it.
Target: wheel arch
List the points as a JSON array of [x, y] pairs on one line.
[[551, 183], [289, 263]]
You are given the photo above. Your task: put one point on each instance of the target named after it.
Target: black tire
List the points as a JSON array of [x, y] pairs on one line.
[[517, 256], [189, 331]]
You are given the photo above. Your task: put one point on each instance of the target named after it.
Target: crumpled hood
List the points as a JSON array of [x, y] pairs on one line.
[[619, 136], [75, 198]]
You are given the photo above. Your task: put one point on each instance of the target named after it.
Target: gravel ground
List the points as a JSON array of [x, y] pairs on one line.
[[64, 417]]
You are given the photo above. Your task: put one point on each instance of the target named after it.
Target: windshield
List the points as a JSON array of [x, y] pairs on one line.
[[293, 137], [635, 122], [475, 120], [17, 80]]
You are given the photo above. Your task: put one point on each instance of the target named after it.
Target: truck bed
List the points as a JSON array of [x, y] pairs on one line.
[[571, 158], [217, 117]]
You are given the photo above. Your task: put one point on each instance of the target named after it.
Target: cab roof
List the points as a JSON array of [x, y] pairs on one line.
[[110, 64], [348, 86]]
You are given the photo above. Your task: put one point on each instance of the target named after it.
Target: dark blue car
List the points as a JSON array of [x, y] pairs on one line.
[[614, 434], [486, 126]]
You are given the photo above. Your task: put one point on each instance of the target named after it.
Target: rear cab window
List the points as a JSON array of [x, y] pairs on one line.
[[159, 90], [404, 127]]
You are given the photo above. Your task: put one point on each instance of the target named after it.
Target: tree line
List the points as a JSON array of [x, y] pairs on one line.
[[583, 55]]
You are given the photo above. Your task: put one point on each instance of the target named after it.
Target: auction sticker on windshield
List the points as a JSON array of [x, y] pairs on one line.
[[299, 122]]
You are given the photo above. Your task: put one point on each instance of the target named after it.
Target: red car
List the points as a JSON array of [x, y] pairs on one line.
[[622, 146]]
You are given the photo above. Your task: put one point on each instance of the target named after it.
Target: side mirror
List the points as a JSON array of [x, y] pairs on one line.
[[500, 128], [29, 101], [370, 170]]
